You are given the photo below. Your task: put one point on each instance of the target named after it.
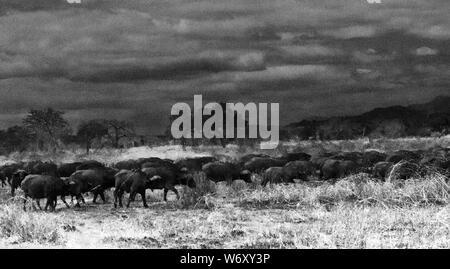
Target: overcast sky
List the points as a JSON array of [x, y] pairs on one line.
[[134, 59]]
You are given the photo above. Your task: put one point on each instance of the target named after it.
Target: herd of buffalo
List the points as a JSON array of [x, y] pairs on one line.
[[48, 180]]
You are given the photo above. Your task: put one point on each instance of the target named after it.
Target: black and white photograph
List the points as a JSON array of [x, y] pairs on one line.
[[224, 125]]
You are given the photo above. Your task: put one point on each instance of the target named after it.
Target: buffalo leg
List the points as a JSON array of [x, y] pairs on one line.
[[63, 198], [95, 198], [51, 201], [38, 202], [171, 189], [264, 181], [176, 193], [120, 198], [165, 194], [102, 195], [131, 198], [144, 200], [115, 198]]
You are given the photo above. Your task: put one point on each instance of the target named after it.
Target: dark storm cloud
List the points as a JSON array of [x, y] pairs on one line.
[[33, 5], [133, 59]]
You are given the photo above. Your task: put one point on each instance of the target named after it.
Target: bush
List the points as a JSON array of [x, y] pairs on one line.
[[28, 226], [200, 196]]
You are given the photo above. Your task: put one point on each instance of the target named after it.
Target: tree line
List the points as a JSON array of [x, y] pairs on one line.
[[47, 129]]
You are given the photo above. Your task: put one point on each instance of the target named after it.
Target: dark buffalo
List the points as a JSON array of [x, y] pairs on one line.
[[28, 166], [7, 171], [127, 165], [67, 169], [403, 155], [318, 161], [381, 170], [438, 162], [300, 169], [169, 178], [141, 161], [405, 170], [355, 157], [44, 186], [44, 168], [133, 182], [225, 171], [93, 180], [259, 164], [370, 158], [162, 163], [297, 156], [248, 157], [332, 169], [16, 180], [194, 164], [91, 164], [276, 175]]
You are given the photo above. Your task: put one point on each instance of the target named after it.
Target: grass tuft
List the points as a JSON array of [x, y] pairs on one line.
[[28, 226]]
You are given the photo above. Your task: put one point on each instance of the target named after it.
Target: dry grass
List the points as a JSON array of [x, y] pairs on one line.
[[200, 196], [355, 212], [18, 226], [359, 189]]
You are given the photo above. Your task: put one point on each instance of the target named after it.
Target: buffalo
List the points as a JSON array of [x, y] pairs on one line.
[[44, 186], [381, 169], [93, 180], [91, 164], [297, 156], [66, 169], [44, 168], [300, 169], [153, 160], [371, 157], [355, 157], [259, 164], [225, 171], [403, 155], [133, 182], [194, 164], [169, 178], [277, 175], [7, 171], [16, 180], [332, 169], [28, 166], [127, 165], [405, 170], [248, 157]]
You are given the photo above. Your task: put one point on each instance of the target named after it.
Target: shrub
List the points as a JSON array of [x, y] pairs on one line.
[[200, 196], [28, 226]]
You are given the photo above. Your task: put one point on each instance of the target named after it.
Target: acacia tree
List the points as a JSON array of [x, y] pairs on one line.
[[118, 130], [91, 130], [46, 125]]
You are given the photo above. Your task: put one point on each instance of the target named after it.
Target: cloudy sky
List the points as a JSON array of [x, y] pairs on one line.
[[134, 59]]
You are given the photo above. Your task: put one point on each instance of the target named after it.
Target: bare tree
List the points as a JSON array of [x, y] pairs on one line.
[[91, 130], [118, 130]]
